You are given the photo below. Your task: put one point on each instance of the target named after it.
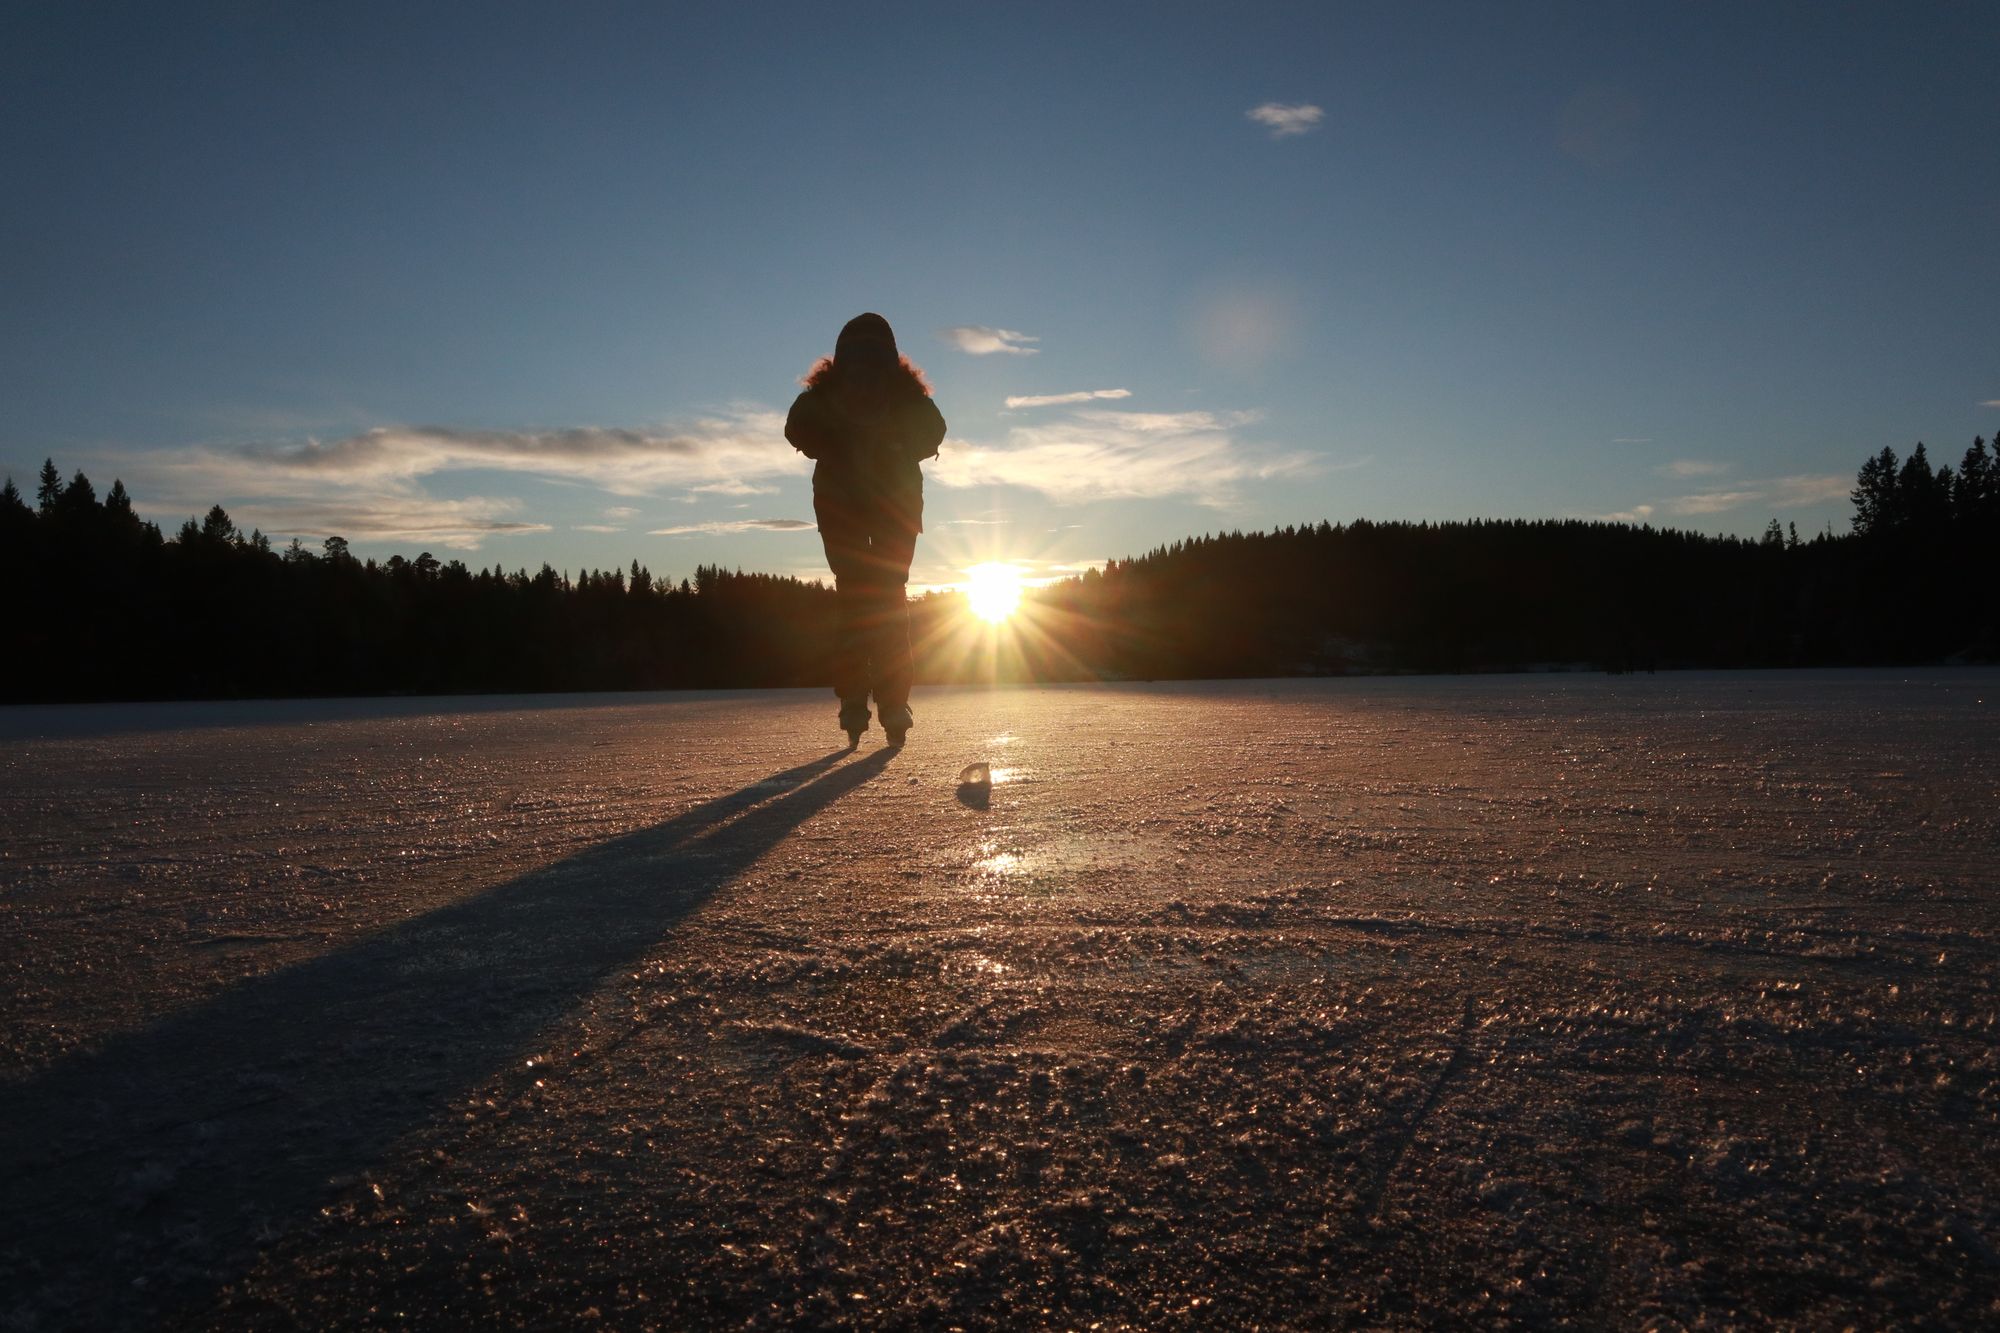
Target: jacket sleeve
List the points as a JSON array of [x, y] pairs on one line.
[[925, 429], [806, 426]]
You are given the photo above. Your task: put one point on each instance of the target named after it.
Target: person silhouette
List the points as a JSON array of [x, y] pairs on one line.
[[867, 421]]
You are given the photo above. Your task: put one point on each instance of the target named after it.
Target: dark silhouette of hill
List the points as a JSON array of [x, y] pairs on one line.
[[102, 605]]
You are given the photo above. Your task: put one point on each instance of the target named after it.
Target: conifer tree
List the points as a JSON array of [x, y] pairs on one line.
[[1874, 494], [17, 524], [49, 494], [1974, 500], [218, 527], [79, 497], [1923, 496]]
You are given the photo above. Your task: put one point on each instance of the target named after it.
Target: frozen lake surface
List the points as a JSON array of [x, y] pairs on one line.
[[1621, 1001]]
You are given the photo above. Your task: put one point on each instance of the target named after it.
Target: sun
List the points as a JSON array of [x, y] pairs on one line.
[[994, 590]]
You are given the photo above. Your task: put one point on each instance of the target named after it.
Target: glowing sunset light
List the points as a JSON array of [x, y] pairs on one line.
[[994, 590]]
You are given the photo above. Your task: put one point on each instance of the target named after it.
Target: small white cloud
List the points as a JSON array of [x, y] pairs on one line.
[[596, 527], [1059, 399], [736, 525], [1637, 514], [733, 486], [619, 513], [1798, 492], [1691, 467], [978, 340], [1286, 119], [1712, 502], [1991, 402]]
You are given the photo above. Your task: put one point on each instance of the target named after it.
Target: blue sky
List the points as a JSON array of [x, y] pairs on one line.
[[527, 283]]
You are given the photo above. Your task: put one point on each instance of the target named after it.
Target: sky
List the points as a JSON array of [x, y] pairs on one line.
[[536, 283]]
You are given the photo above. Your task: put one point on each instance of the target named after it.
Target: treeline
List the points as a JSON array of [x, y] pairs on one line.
[[103, 605], [1918, 580]]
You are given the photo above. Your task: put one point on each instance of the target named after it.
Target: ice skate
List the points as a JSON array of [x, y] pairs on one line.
[[854, 721], [896, 723]]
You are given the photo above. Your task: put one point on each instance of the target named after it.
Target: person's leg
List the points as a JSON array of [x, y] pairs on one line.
[[891, 549], [844, 534]]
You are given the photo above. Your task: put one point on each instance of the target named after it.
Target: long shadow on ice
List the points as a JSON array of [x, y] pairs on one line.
[[138, 1176]]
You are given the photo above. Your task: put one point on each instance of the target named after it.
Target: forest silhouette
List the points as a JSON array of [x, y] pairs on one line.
[[106, 606]]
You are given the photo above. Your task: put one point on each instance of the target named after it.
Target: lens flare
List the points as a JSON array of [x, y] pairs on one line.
[[994, 590]]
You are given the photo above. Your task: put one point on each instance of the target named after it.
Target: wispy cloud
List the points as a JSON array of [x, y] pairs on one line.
[[1285, 119], [1991, 402], [1062, 399], [372, 486], [978, 340], [733, 486], [1636, 514], [735, 525], [1801, 491], [721, 450], [1105, 455], [1798, 492], [1712, 502], [596, 527], [460, 525], [1691, 467]]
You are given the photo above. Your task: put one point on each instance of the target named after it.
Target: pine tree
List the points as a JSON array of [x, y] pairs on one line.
[[17, 523], [49, 494], [78, 505], [1975, 498], [1923, 496], [218, 527], [1875, 500]]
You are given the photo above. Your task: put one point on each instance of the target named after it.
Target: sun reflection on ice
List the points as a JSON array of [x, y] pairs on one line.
[[994, 861]]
